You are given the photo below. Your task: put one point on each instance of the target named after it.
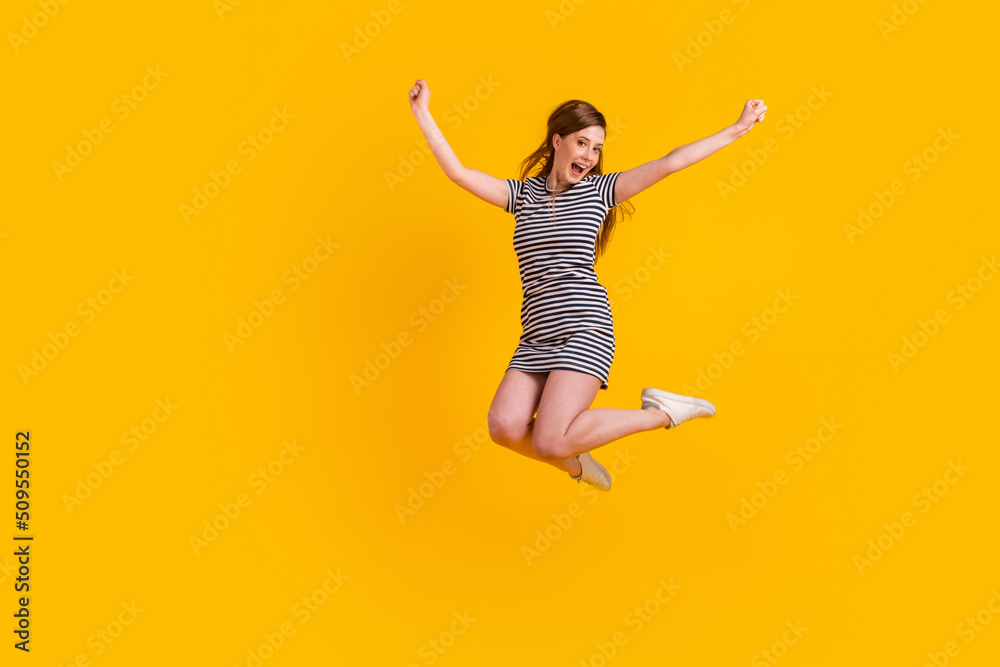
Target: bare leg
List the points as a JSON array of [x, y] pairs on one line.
[[511, 417], [523, 446], [565, 427]]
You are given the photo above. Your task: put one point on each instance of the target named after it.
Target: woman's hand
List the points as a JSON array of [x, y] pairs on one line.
[[753, 112], [420, 96]]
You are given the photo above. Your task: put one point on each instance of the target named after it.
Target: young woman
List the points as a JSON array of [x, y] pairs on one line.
[[567, 341]]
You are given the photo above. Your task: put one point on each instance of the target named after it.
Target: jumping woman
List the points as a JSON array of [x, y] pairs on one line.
[[567, 340]]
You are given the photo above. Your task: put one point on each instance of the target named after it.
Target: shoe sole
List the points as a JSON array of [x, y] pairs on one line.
[[604, 470]]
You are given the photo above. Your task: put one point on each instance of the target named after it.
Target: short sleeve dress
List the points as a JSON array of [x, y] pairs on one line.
[[566, 318]]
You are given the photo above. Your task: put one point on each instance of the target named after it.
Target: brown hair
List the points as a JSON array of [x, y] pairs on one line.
[[567, 118]]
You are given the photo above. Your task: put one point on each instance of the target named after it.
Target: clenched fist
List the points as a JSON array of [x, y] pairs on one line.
[[420, 96], [753, 112]]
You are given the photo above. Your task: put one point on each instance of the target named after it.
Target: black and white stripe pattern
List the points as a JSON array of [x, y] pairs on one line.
[[566, 318]]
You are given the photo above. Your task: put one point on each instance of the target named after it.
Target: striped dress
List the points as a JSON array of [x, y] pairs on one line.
[[565, 312]]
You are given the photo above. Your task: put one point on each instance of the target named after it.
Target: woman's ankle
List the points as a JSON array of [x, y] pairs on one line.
[[568, 466], [664, 417]]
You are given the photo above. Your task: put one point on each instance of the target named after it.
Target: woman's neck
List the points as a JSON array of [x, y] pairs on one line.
[[559, 187]]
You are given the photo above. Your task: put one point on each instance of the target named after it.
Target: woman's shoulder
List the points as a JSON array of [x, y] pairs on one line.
[[534, 184], [594, 177], [528, 180]]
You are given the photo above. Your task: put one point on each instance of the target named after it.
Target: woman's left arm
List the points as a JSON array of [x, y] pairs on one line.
[[635, 180]]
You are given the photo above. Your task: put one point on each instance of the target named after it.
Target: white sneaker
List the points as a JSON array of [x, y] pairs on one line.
[[593, 472], [678, 407]]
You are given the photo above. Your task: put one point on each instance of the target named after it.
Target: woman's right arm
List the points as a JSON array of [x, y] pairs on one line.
[[486, 187]]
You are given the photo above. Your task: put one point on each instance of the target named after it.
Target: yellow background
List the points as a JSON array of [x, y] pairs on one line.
[[335, 506]]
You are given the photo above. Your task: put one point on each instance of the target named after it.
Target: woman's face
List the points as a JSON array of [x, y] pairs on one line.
[[580, 149]]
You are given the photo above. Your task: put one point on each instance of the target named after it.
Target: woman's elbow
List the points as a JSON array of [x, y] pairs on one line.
[[456, 174]]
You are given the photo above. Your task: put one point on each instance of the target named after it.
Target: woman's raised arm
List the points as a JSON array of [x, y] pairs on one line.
[[486, 187], [635, 180]]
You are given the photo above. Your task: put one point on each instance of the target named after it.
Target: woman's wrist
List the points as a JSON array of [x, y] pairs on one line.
[[736, 131], [422, 113]]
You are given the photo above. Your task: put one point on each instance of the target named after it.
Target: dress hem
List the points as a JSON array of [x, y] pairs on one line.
[[604, 382]]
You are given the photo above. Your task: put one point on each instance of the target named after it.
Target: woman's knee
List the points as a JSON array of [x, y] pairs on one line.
[[548, 447], [504, 430]]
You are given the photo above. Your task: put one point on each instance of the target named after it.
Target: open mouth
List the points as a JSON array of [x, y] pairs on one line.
[[577, 169]]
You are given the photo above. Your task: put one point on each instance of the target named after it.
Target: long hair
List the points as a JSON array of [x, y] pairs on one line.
[[567, 118]]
